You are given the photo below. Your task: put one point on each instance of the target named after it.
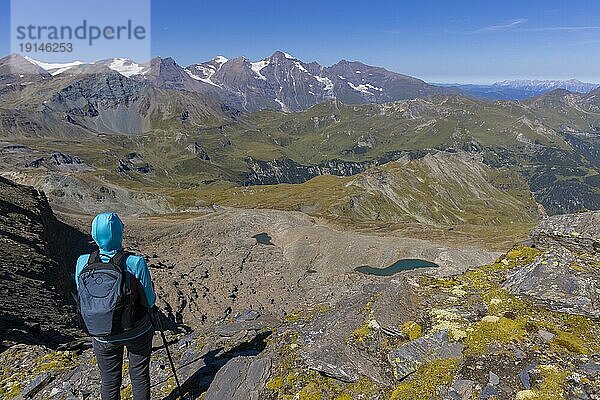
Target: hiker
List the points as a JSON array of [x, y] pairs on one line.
[[116, 299]]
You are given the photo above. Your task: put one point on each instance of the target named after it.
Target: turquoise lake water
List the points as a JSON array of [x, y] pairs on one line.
[[264, 238], [400, 265]]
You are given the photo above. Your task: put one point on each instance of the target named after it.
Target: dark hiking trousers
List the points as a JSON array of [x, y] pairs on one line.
[[110, 362]]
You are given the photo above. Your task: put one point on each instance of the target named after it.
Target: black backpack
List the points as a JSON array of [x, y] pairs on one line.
[[106, 296]]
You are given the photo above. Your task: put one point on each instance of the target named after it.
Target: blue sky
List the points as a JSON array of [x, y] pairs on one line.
[[439, 41]]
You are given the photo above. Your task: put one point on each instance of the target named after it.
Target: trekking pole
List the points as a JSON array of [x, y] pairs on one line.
[[159, 324]]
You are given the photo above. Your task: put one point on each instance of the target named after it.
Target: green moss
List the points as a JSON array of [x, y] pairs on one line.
[[552, 386], [483, 333], [311, 392], [362, 333], [200, 345], [276, 383], [319, 387], [10, 389], [517, 256], [425, 383], [578, 267], [55, 361], [571, 342], [25, 368], [521, 255]]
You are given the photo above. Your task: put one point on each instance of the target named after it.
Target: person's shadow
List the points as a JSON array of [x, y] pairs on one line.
[[200, 380]]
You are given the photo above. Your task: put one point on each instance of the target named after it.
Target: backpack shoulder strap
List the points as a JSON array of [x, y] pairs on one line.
[[118, 259], [94, 257]]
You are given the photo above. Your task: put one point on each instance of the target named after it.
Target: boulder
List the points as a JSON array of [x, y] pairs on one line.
[[407, 359], [242, 378], [560, 281]]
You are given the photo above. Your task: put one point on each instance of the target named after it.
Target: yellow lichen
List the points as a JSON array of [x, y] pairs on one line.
[[448, 320], [307, 314], [169, 386], [412, 330], [126, 393], [458, 291], [526, 395]]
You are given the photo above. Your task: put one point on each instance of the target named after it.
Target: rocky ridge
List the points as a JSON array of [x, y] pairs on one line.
[[35, 285]]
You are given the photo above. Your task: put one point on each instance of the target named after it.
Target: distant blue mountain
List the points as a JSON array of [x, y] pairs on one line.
[[521, 89]]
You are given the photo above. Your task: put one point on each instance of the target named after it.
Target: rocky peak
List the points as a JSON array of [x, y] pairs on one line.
[[21, 65], [281, 56], [16, 72]]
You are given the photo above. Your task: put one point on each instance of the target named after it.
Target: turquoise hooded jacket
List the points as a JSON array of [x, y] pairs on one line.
[[107, 232]]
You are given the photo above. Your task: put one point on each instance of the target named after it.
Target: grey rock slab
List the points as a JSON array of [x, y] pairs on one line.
[[489, 392], [462, 389], [323, 339], [551, 282], [547, 336], [524, 376], [406, 359], [242, 378], [592, 369], [397, 304], [494, 379], [35, 386]]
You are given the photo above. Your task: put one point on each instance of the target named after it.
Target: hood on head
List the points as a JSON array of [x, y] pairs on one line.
[[107, 231]]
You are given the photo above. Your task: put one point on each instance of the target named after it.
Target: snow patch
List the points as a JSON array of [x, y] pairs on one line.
[[127, 68], [365, 88], [206, 71], [289, 56], [300, 67], [258, 66], [326, 82], [283, 106], [220, 59], [54, 68]]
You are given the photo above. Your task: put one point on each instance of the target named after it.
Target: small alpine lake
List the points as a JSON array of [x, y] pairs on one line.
[[399, 266], [264, 238]]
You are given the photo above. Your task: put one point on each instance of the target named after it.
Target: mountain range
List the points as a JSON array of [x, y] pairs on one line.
[[280, 81], [283, 82], [211, 126], [522, 89]]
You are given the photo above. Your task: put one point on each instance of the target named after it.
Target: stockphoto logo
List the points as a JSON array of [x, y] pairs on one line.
[[33, 35], [63, 33]]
